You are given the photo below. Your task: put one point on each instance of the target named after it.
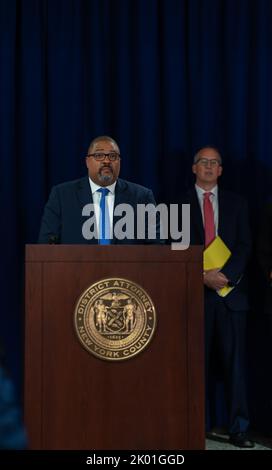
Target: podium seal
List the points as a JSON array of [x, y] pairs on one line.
[[115, 319]]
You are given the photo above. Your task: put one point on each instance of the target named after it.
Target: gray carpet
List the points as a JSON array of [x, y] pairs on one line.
[[212, 444]]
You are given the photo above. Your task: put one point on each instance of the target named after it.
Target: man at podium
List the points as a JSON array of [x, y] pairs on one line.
[[217, 213], [96, 196]]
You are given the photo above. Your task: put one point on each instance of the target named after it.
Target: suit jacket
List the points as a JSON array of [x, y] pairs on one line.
[[233, 228], [264, 254], [62, 219]]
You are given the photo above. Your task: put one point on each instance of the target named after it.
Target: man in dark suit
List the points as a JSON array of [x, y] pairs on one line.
[[217, 212], [63, 218], [264, 257], [264, 253]]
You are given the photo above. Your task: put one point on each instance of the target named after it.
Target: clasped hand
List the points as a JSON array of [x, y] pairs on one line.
[[214, 279]]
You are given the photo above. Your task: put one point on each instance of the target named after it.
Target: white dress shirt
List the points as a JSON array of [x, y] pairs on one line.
[[96, 201]]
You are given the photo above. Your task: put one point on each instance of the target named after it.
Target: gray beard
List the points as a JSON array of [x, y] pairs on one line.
[[105, 179]]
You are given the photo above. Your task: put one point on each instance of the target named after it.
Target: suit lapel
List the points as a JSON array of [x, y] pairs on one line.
[[84, 192], [196, 218], [84, 195], [120, 198], [225, 213]]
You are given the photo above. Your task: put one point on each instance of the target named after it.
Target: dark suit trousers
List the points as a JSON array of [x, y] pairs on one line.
[[228, 328]]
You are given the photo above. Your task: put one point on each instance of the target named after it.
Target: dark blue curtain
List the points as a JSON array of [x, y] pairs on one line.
[[163, 77]]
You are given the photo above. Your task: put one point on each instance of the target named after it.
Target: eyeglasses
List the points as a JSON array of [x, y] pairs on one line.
[[100, 157], [207, 162]]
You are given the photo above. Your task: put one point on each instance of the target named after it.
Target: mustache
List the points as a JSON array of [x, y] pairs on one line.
[[106, 165]]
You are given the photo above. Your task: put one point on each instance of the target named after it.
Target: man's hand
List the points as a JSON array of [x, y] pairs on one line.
[[214, 279]]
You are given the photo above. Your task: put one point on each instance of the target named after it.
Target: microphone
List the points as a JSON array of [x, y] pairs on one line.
[[53, 239]]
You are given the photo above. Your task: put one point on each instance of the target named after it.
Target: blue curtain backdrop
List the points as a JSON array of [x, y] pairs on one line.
[[163, 77]]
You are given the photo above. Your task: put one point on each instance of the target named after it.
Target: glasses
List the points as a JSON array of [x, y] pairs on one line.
[[100, 157], [207, 162]]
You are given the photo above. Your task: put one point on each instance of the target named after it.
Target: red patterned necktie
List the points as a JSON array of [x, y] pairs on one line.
[[208, 219]]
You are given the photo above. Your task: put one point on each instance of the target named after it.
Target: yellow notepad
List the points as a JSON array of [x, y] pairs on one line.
[[215, 256]]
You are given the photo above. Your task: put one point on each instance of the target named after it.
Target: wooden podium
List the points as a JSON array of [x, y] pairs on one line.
[[74, 400]]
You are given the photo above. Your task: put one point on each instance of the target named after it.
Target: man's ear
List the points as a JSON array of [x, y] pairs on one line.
[[194, 169]]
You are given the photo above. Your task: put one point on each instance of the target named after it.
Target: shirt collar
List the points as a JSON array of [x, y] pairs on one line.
[[95, 187], [200, 191]]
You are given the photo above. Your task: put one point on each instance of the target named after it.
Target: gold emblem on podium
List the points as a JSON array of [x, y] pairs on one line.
[[115, 319]]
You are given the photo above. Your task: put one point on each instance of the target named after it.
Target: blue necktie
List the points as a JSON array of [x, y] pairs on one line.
[[104, 220]]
